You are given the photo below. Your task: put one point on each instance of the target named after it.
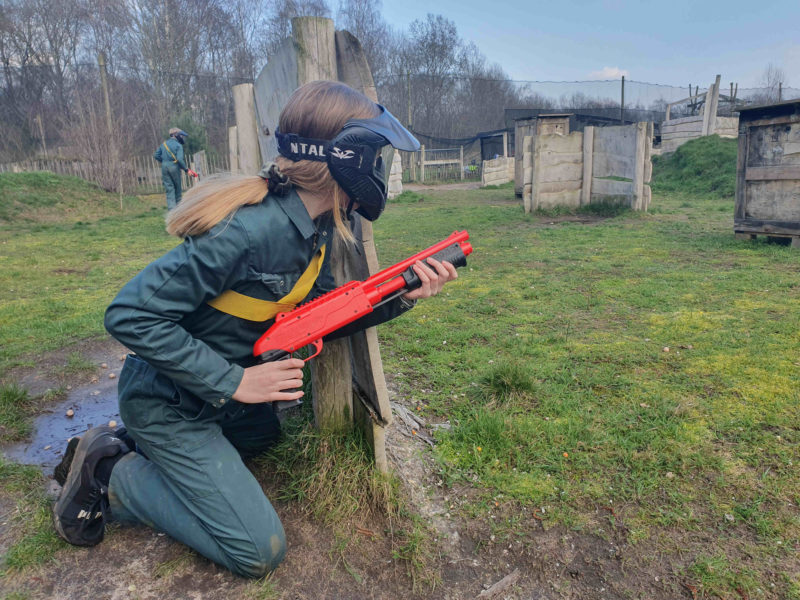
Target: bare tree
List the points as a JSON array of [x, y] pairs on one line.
[[363, 19], [771, 79]]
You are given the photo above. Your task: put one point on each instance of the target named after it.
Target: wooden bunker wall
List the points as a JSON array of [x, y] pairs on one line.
[[600, 164], [768, 172]]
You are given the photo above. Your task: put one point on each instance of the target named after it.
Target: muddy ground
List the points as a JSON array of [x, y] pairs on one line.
[[466, 559]]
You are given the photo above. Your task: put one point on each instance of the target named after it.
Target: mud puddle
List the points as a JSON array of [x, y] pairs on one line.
[[90, 406]]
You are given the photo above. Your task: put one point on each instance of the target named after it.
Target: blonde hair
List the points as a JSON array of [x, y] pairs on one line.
[[316, 110]]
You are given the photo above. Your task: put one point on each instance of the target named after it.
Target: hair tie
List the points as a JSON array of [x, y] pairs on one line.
[[277, 182]]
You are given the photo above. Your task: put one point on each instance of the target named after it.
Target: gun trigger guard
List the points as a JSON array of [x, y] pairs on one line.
[[317, 346]]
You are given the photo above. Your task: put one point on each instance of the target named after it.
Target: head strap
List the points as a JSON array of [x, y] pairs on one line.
[[295, 148]]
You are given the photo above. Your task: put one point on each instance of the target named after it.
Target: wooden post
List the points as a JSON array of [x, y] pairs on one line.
[[536, 172], [347, 378], [233, 149], [637, 202], [588, 164], [712, 119], [710, 108], [527, 172], [201, 164], [246, 129], [422, 163], [505, 144], [461, 161]]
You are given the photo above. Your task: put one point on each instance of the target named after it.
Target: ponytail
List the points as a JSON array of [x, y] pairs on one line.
[[209, 203]]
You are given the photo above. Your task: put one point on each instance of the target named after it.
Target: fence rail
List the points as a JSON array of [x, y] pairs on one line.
[[137, 174]]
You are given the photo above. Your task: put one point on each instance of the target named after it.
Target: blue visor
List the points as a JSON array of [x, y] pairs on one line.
[[389, 128]]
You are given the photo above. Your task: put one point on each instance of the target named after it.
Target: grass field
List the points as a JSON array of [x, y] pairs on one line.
[[643, 365]]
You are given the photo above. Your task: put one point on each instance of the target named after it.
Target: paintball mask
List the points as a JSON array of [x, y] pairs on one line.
[[178, 134], [355, 157]]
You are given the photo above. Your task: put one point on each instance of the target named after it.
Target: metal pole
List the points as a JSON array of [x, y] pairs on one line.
[[622, 103]]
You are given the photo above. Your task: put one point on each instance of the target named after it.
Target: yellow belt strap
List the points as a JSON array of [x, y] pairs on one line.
[[254, 309], [174, 158]]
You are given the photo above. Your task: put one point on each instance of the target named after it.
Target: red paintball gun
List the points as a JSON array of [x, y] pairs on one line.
[[309, 323]]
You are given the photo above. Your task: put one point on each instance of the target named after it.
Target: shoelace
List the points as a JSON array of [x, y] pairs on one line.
[[98, 496]]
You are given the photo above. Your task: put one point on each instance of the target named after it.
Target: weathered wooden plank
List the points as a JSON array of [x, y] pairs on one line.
[[681, 120], [613, 165], [568, 198], [751, 225], [692, 127], [782, 120], [563, 144], [741, 181], [553, 187], [560, 172], [791, 148], [648, 158], [710, 108], [233, 149], [522, 128], [528, 173], [777, 200], [639, 166], [588, 158], [316, 36], [246, 129], [611, 187], [772, 173], [371, 407]]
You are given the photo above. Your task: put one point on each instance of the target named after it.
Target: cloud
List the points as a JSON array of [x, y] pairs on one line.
[[608, 73]]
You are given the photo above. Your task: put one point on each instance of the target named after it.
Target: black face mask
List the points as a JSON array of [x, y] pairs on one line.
[[180, 139], [354, 157]]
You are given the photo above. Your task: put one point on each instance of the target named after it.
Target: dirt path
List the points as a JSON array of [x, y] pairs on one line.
[[467, 556]]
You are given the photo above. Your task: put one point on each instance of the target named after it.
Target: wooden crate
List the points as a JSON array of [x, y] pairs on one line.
[[768, 172]]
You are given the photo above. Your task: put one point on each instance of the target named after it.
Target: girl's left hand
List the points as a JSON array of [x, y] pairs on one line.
[[433, 279]]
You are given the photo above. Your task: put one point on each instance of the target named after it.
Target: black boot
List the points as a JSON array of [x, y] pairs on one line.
[[80, 512], [62, 469]]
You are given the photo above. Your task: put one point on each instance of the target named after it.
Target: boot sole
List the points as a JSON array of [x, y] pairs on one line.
[[73, 483]]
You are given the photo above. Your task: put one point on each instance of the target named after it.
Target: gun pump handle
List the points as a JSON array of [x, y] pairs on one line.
[[452, 254]]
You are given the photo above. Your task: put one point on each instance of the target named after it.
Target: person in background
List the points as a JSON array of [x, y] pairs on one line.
[[170, 155]]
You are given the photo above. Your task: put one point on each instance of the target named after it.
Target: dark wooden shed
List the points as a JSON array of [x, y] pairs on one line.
[[768, 172]]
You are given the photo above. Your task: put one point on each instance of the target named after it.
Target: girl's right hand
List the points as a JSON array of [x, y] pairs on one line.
[[266, 382]]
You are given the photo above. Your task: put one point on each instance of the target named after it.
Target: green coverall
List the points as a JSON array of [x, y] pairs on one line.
[[175, 394], [172, 162]]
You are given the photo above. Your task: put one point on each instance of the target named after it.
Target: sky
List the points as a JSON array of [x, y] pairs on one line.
[[677, 42]]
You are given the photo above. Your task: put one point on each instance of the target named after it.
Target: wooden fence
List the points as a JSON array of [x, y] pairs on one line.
[[140, 174], [439, 165]]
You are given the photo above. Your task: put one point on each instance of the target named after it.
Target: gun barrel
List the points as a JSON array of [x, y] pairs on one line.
[[394, 270]]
